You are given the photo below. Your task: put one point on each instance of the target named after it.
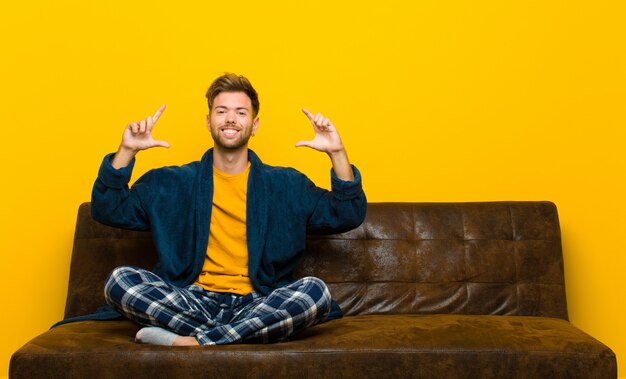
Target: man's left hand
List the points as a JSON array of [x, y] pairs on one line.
[[326, 138]]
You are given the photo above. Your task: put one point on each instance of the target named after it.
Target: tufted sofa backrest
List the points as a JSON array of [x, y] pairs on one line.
[[501, 258]]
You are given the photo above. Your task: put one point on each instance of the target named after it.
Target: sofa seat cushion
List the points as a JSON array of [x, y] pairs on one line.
[[370, 346]]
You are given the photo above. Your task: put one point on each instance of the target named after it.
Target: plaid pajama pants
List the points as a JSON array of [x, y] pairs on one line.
[[217, 318]]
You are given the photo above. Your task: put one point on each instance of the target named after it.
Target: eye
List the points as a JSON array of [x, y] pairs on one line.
[[242, 113]]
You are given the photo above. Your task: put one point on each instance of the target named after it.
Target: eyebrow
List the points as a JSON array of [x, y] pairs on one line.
[[238, 108]]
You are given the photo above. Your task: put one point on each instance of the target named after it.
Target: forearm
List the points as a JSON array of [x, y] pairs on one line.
[[123, 157], [341, 165]]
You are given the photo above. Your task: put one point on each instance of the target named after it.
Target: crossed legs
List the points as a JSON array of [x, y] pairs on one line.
[[215, 318]]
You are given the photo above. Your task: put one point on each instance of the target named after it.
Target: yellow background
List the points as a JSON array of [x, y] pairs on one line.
[[458, 100]]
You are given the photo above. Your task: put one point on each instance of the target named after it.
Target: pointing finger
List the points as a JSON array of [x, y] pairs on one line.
[[308, 114], [158, 113]]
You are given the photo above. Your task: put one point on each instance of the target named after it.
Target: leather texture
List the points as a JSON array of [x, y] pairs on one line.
[[429, 290]]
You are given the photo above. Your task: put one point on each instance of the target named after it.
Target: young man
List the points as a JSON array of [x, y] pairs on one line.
[[229, 230]]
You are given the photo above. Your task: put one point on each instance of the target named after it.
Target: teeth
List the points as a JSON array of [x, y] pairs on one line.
[[229, 132]]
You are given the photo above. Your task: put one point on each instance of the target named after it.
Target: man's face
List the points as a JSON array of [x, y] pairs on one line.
[[231, 120]]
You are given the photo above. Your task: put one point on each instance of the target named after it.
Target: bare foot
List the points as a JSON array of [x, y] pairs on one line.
[[185, 341]]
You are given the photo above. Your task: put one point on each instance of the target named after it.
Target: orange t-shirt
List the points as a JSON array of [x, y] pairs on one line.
[[225, 266]]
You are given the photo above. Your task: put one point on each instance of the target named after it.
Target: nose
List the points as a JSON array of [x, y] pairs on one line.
[[230, 117]]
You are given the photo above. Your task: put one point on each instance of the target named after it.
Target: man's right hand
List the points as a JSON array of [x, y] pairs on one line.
[[137, 136]]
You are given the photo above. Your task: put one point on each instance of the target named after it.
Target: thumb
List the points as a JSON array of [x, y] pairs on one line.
[[161, 144], [303, 143]]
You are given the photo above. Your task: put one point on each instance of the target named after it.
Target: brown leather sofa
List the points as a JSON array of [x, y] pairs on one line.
[[429, 290]]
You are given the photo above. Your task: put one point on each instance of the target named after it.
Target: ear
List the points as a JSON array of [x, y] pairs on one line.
[[255, 125], [208, 121]]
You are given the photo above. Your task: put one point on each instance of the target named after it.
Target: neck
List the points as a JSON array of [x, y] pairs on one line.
[[230, 161]]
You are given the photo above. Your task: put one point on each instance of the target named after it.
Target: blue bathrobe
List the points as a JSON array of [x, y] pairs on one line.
[[175, 203]]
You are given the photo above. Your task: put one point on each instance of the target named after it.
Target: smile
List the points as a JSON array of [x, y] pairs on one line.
[[229, 132]]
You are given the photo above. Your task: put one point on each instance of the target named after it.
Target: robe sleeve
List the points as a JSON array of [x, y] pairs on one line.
[[113, 202], [341, 209]]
